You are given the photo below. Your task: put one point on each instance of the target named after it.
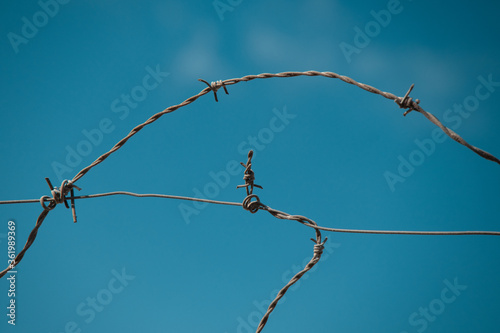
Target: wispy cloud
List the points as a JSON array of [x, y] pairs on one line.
[[200, 57], [417, 63]]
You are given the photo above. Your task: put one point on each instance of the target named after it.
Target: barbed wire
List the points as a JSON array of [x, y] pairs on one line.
[[404, 102], [274, 212], [107, 194], [248, 175], [251, 202], [253, 207]]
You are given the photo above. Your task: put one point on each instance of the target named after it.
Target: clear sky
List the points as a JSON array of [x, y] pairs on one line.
[[78, 76]]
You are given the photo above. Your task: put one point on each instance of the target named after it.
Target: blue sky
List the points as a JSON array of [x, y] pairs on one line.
[[78, 76]]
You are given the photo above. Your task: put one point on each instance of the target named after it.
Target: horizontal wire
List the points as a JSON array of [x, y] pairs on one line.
[[402, 232], [274, 212], [99, 195], [310, 223]]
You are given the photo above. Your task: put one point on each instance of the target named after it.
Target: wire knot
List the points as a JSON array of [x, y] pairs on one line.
[[407, 102], [319, 247], [214, 86], [59, 196], [252, 206], [249, 175]]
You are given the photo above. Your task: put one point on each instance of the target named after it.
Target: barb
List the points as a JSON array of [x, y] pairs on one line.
[[249, 176], [214, 86], [59, 196], [406, 102]]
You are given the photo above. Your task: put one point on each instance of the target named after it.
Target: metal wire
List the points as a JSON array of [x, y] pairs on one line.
[[274, 212], [310, 223], [58, 195], [29, 242], [136, 129], [107, 194], [318, 250], [404, 102], [255, 205]]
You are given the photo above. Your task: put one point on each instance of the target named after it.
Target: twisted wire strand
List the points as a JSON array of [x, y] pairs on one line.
[[413, 105], [318, 250], [29, 242], [136, 129], [455, 136], [311, 73], [310, 223]]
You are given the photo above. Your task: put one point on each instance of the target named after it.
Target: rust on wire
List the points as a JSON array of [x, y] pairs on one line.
[[214, 86], [248, 204], [249, 175], [255, 206], [407, 102], [59, 196]]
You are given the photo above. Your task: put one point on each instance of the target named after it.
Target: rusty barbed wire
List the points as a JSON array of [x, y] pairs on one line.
[[214, 86], [318, 251], [58, 195], [404, 102], [29, 242], [260, 206], [253, 204], [107, 194], [253, 207]]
